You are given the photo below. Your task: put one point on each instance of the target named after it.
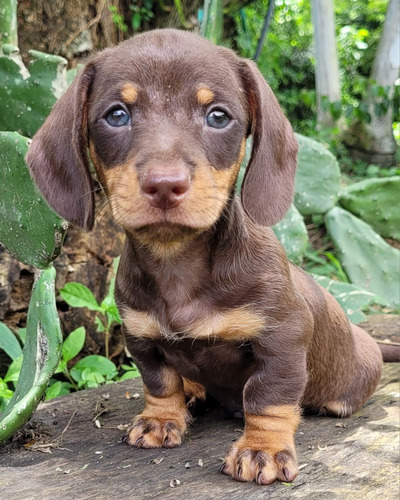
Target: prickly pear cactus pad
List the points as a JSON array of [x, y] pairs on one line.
[[367, 259], [29, 228], [42, 351], [292, 233], [352, 298], [317, 177], [26, 97], [377, 202]]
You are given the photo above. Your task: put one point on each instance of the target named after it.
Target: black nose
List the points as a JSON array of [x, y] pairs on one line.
[[165, 189]]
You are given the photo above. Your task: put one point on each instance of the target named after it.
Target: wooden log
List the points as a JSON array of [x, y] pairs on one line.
[[68, 456]]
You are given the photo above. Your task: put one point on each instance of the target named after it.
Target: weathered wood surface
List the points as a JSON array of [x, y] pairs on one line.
[[351, 458]]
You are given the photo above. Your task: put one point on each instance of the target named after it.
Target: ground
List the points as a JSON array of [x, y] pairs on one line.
[[73, 449]]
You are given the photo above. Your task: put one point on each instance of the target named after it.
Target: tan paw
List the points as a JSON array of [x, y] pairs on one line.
[[151, 432], [262, 466]]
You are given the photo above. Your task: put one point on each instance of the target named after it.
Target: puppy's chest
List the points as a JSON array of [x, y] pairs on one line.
[[195, 319]]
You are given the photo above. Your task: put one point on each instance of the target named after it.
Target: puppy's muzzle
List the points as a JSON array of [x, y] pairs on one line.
[[165, 190]]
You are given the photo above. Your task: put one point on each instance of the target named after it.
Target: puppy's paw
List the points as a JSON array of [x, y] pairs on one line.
[[152, 432], [195, 395], [264, 466]]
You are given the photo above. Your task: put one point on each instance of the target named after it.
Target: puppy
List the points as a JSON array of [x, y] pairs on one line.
[[208, 298]]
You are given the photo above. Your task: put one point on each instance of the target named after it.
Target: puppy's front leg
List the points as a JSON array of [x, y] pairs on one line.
[[165, 417], [271, 397]]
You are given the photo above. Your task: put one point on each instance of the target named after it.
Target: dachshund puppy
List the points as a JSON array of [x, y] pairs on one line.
[[208, 298]]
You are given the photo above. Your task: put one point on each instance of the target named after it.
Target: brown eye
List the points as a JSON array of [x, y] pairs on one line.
[[217, 119]]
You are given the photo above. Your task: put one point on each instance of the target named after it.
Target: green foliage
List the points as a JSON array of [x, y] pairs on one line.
[[9, 343], [78, 295], [212, 23], [118, 19], [89, 371], [367, 259], [325, 264], [29, 228], [287, 59], [376, 201], [317, 178], [142, 12]]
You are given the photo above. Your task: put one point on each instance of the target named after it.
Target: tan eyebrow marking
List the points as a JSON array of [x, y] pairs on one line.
[[129, 93], [205, 95]]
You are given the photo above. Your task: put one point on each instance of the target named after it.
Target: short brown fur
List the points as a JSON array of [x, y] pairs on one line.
[[207, 295]]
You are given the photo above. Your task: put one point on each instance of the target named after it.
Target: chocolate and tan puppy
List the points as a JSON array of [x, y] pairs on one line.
[[207, 295]]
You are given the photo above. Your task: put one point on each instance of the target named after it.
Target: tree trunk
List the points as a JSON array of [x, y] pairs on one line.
[[374, 142], [326, 62]]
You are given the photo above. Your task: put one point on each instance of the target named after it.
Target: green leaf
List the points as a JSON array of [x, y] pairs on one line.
[[13, 370], [5, 392], [9, 342], [78, 295], [99, 325], [54, 390], [62, 366], [129, 374], [22, 334], [73, 344], [95, 363]]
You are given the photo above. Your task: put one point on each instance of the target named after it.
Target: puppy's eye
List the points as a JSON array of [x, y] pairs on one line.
[[217, 119], [117, 117]]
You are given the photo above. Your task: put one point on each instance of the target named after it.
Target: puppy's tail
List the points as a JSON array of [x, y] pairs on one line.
[[390, 351]]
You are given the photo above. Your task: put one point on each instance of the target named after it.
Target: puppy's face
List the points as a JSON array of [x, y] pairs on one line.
[[163, 118], [167, 130]]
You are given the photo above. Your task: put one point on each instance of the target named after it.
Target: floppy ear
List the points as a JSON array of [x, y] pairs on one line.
[[268, 185], [58, 159]]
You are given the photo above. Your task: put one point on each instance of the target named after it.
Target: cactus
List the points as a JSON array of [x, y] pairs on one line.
[[8, 22], [367, 259], [29, 228], [376, 202], [292, 233], [317, 178], [26, 97], [352, 299], [42, 351]]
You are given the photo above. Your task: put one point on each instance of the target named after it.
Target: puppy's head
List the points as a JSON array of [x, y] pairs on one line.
[[163, 118]]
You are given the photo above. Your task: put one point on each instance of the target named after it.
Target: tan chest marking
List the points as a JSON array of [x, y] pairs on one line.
[[235, 325], [141, 324]]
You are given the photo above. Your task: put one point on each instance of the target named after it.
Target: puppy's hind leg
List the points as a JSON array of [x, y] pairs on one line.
[[366, 377]]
